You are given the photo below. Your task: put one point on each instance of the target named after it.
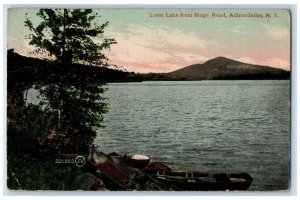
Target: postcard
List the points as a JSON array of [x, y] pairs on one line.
[[148, 99]]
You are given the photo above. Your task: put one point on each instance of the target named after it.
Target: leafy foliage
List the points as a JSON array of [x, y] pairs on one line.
[[73, 106], [72, 36], [36, 175]]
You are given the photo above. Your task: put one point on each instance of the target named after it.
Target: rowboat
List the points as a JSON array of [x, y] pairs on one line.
[[201, 181], [110, 168], [189, 181]]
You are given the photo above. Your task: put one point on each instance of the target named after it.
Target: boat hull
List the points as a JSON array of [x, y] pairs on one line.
[[196, 181]]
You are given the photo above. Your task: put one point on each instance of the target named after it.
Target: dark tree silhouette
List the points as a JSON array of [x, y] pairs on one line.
[[72, 36]]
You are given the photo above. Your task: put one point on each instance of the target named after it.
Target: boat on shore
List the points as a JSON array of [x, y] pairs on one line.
[[201, 181], [110, 168], [121, 169]]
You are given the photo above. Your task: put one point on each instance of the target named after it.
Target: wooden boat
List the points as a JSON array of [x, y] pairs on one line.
[[133, 160], [141, 162], [199, 181], [110, 168], [190, 181], [194, 181], [117, 175]]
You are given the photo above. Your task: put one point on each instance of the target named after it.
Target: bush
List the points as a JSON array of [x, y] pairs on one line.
[[37, 175]]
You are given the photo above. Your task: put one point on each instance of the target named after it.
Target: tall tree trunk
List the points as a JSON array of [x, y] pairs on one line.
[[61, 82]]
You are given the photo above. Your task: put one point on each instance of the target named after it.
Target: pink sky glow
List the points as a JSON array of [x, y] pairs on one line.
[[167, 47]]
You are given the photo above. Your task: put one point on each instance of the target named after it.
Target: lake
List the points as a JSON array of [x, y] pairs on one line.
[[212, 126]]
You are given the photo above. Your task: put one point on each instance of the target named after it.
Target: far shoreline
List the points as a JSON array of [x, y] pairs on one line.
[[121, 82]]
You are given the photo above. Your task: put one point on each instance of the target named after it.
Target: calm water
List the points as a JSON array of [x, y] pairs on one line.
[[229, 126]]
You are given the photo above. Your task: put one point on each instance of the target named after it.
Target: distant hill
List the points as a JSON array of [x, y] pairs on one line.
[[25, 71], [222, 68]]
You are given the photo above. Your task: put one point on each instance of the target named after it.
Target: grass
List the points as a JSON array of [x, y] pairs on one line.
[[35, 175]]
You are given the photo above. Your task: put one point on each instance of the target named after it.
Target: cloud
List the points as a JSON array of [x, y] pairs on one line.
[[160, 48], [278, 32], [232, 30], [161, 36]]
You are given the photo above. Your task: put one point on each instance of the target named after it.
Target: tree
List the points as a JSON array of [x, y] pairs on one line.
[[69, 35], [73, 37]]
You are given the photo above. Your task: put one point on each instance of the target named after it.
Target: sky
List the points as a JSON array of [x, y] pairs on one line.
[[156, 40]]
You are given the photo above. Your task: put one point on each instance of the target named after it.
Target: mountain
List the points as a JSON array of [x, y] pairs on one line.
[[222, 68], [26, 71]]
